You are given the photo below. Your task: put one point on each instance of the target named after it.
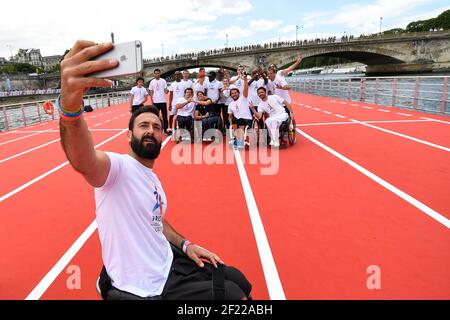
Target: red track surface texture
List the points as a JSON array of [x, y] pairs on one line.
[[364, 186]]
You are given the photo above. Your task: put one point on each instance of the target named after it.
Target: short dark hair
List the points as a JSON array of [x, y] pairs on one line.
[[262, 88], [141, 110], [140, 78], [188, 89], [235, 89], [157, 70]]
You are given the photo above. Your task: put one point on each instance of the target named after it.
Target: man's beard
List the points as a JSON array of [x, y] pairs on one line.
[[145, 150]]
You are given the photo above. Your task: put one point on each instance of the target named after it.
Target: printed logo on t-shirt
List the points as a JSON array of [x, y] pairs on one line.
[[157, 214]]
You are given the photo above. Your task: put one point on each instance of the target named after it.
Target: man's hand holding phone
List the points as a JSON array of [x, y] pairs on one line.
[[75, 67]]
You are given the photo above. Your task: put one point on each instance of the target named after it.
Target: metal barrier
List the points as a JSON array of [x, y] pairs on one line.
[[29, 113], [425, 93]]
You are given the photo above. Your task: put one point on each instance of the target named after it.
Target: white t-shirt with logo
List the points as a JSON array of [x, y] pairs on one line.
[[139, 95], [187, 110], [130, 207], [158, 87], [226, 96], [188, 84], [213, 90], [281, 81], [239, 83], [177, 88], [253, 91], [240, 108], [273, 106], [199, 87]]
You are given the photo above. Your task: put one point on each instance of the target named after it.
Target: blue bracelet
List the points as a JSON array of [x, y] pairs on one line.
[[64, 112]]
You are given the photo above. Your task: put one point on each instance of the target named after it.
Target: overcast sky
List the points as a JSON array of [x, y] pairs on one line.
[[194, 25]]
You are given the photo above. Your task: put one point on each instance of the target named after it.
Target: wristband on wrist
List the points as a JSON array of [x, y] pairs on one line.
[[186, 244], [66, 115]]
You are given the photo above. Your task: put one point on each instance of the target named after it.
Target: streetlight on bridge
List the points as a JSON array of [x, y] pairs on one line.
[[297, 27], [381, 22]]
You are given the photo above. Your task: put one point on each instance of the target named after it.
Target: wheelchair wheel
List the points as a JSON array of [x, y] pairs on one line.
[[258, 126], [292, 131]]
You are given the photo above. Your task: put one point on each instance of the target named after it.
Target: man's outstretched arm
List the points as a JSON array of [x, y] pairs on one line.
[[75, 136]]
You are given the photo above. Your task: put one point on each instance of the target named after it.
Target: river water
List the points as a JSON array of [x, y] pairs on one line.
[[414, 92]]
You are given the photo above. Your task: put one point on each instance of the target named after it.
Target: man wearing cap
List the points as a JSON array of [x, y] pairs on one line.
[[200, 85]]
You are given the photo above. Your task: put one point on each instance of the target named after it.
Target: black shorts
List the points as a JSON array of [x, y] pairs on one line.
[[134, 108], [187, 281], [244, 123]]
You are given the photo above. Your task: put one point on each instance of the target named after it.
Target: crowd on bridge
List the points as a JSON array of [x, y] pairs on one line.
[[29, 92], [220, 101], [265, 46]]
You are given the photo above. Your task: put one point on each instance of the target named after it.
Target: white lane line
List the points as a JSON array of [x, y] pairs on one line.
[[309, 107], [45, 283], [115, 118], [317, 109], [333, 100], [435, 120], [273, 281], [93, 117], [60, 266], [300, 104], [368, 108], [29, 150], [62, 165], [323, 124], [404, 114], [97, 125], [17, 139], [402, 135], [327, 112], [383, 110], [416, 203], [339, 116], [354, 105], [342, 102], [107, 121], [108, 112], [353, 122]]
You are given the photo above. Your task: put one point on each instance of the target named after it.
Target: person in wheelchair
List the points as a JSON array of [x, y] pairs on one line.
[[144, 257], [274, 107], [185, 111], [204, 112], [239, 109]]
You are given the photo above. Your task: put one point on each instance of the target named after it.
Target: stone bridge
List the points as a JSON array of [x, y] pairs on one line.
[[405, 53]]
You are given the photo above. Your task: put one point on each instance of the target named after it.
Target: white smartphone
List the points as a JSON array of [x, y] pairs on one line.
[[129, 55]]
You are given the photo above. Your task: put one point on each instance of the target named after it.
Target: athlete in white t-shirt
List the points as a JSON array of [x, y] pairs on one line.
[[185, 111], [131, 203], [176, 92], [158, 91], [186, 81], [273, 107], [138, 95], [239, 109]]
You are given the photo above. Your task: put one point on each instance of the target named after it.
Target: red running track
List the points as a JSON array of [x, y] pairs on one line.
[[325, 221]]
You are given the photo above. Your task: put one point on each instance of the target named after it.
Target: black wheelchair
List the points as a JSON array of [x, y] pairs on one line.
[[288, 131]]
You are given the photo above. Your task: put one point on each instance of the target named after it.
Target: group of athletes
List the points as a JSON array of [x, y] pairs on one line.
[[220, 101]]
